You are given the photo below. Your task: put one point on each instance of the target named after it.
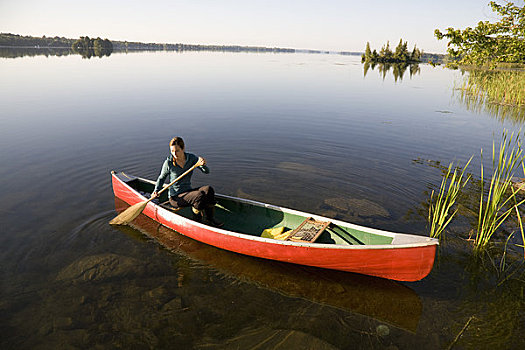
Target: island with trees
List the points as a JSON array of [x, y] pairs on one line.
[[92, 47], [386, 55]]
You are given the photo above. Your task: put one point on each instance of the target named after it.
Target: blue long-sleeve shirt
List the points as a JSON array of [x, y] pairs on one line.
[[174, 171]]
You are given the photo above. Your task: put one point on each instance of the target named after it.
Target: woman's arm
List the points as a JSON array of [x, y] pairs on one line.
[[164, 172]]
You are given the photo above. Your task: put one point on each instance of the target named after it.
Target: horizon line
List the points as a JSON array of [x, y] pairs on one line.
[[224, 45]]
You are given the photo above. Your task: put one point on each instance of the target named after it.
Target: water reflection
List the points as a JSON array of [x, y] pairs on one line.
[[52, 51], [398, 69], [93, 52], [381, 299], [33, 51]]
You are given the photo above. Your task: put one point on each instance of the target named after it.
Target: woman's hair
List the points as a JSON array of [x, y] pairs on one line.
[[177, 141]]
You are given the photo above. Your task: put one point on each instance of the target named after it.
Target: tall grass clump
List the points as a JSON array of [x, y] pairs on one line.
[[498, 92], [500, 200], [439, 210], [496, 86]]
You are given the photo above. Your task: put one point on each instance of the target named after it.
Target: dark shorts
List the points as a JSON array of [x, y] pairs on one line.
[[199, 198]]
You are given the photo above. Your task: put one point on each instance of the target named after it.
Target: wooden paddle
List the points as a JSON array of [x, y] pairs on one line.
[[132, 212]]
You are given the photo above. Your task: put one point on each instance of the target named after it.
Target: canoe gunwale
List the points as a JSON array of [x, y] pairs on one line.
[[418, 241]]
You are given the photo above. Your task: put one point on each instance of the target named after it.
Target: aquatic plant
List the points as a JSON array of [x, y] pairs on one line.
[[500, 200], [439, 210], [518, 215], [499, 92], [497, 86]]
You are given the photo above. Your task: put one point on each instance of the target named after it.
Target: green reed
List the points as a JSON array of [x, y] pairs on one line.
[[439, 210], [500, 200], [499, 92], [496, 86], [518, 215], [503, 112]]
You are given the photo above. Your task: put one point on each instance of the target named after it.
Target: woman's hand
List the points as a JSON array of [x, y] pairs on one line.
[[154, 194], [201, 161]]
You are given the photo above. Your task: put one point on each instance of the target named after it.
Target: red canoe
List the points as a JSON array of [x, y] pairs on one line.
[[308, 239]]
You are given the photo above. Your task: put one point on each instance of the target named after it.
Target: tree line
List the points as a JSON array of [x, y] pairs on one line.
[[127, 45], [386, 55], [14, 40]]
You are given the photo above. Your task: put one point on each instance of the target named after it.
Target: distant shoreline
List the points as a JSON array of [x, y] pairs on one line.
[[15, 41], [199, 48], [8, 40], [195, 48]]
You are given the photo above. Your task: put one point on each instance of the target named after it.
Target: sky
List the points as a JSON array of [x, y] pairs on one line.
[[333, 25]]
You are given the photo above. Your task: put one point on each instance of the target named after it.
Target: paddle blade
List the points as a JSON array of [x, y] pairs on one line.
[[129, 214]]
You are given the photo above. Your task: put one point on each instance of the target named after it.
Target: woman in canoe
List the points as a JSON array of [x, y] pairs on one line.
[[181, 194]]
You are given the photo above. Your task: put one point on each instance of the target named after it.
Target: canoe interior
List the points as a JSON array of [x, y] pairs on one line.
[[252, 219]]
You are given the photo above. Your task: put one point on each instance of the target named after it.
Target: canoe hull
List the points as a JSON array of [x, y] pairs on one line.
[[400, 263]]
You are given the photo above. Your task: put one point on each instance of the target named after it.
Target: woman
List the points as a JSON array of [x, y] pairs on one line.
[[181, 194]]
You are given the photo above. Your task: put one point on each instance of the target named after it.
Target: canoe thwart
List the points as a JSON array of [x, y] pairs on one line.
[[345, 235], [308, 231]]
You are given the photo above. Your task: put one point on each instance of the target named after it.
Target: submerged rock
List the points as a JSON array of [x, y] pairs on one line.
[[382, 330], [357, 207], [297, 167], [100, 267], [518, 184]]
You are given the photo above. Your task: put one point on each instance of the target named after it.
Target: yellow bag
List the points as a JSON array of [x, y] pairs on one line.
[[275, 233]]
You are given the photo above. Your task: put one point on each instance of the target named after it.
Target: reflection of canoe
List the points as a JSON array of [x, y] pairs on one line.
[[381, 299], [341, 246]]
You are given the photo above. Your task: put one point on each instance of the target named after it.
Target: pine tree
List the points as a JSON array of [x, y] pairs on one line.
[[388, 52], [398, 55], [416, 54], [375, 55], [368, 52]]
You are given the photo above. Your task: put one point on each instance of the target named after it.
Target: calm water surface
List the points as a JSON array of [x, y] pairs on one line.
[[310, 132]]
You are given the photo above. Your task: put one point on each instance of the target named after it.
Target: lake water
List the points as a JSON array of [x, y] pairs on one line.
[[309, 132]]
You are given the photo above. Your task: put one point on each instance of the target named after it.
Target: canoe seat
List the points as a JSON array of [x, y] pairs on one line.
[[308, 231]]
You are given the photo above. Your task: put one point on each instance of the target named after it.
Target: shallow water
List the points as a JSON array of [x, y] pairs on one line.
[[309, 132]]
